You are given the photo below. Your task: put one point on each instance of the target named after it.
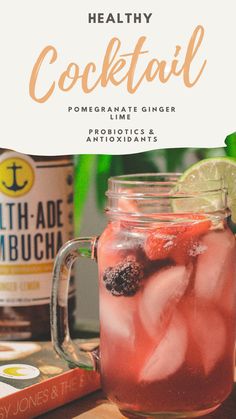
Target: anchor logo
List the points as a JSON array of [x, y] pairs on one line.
[[15, 186], [16, 176]]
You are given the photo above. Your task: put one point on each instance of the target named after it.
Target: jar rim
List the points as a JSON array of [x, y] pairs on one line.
[[158, 191], [142, 178], [170, 182]]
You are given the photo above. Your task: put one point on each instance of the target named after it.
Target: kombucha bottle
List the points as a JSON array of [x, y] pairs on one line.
[[36, 218]]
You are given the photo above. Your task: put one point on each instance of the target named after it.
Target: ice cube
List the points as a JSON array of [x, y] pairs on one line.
[[227, 299], [127, 203], [169, 355], [209, 280], [162, 292], [209, 335], [108, 250], [117, 316]]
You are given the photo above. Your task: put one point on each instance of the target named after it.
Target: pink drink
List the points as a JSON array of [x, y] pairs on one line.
[[167, 297], [167, 313]]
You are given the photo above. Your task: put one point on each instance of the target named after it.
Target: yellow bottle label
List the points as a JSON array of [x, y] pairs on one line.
[[36, 218]]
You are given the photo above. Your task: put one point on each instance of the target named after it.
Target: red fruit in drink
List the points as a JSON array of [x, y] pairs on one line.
[[124, 278], [189, 245], [161, 242], [179, 241]]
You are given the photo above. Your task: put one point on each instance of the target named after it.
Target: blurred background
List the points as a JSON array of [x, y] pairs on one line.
[[91, 175]]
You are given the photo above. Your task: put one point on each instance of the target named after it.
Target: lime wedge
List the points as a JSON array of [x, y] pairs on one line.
[[207, 175]]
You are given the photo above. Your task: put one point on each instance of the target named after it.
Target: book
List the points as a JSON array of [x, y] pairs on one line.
[[35, 380]]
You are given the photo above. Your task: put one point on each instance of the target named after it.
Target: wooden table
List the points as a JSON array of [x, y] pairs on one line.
[[96, 406]]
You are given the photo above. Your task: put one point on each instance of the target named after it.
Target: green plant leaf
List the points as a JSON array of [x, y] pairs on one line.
[[230, 142], [206, 153], [107, 166], [117, 166], [174, 159], [139, 163], [83, 176], [102, 174]]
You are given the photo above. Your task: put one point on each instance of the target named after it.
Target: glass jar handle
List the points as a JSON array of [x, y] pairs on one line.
[[64, 346]]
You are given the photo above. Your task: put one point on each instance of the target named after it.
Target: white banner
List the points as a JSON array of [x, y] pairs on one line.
[[117, 78]]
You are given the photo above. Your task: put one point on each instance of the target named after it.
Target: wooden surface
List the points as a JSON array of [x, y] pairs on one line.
[[96, 406]]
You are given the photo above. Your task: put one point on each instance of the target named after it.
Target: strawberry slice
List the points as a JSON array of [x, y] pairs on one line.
[[189, 240], [176, 240], [198, 227], [161, 242]]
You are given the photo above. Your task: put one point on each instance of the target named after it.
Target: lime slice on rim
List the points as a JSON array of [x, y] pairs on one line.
[[207, 175]]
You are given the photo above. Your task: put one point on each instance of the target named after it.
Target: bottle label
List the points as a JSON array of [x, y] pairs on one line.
[[36, 218]]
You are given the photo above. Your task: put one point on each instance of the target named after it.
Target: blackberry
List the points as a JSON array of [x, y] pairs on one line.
[[124, 278]]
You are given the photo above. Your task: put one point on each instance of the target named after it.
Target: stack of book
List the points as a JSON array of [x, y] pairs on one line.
[[34, 380]]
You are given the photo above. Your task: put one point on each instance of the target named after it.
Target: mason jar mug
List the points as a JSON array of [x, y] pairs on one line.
[[167, 270]]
